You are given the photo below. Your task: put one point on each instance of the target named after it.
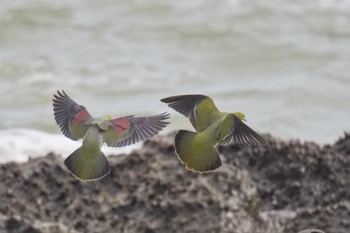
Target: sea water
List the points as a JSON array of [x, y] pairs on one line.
[[285, 64]]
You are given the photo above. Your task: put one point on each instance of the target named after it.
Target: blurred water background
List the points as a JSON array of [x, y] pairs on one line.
[[286, 64]]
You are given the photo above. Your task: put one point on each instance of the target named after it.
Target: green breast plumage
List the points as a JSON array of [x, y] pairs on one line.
[[93, 138]]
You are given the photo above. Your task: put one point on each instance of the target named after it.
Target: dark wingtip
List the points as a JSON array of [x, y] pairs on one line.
[[179, 97], [170, 99], [165, 116], [166, 99], [266, 143], [59, 95], [261, 140]]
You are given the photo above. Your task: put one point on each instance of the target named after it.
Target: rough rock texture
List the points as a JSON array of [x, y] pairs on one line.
[[307, 183], [285, 187]]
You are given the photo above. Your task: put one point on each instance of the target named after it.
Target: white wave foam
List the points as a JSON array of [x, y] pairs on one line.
[[20, 144]]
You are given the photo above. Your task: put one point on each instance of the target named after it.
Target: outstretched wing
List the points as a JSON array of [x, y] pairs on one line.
[[70, 116], [184, 104], [130, 129], [198, 108], [241, 133]]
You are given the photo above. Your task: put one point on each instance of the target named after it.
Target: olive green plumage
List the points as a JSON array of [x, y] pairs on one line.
[[88, 162], [198, 150]]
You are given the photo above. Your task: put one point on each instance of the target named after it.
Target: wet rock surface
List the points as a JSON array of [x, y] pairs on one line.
[[285, 187]]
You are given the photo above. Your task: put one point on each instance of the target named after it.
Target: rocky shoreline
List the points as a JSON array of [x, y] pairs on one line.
[[286, 187]]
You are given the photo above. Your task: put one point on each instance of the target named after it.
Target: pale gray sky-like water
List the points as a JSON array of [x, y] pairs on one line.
[[285, 64]]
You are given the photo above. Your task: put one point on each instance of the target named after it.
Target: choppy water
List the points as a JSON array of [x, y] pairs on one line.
[[285, 64]]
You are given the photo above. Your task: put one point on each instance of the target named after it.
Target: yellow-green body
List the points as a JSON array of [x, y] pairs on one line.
[[198, 150], [88, 162]]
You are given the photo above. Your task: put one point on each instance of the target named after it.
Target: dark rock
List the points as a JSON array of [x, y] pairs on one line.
[[309, 180], [285, 187]]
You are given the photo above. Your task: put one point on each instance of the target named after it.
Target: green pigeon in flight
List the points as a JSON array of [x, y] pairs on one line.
[[198, 150], [88, 162]]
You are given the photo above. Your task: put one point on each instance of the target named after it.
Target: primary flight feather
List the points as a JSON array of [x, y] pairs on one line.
[[198, 150], [88, 162]]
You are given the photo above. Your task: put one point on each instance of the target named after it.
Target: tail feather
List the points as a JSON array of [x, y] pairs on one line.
[[87, 168], [195, 152]]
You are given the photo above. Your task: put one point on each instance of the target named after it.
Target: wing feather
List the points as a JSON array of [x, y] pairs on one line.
[[200, 109], [70, 116], [243, 134], [129, 130], [184, 104]]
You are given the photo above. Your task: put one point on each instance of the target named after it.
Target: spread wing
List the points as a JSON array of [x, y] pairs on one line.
[[198, 108], [241, 133], [70, 116], [184, 104], [130, 129]]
